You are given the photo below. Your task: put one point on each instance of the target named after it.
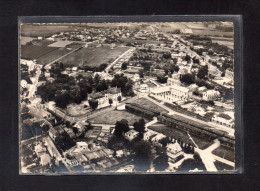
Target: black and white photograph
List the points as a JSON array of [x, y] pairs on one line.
[[126, 97]]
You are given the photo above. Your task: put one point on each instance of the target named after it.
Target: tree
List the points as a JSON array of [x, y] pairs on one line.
[[102, 67], [97, 78], [141, 73], [187, 58], [161, 78], [93, 103], [119, 98], [140, 126], [187, 79], [124, 66], [164, 141], [167, 55], [101, 86], [110, 101], [63, 99], [121, 127], [203, 72], [75, 130], [161, 162], [142, 149]]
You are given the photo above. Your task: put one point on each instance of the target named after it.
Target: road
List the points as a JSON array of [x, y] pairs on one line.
[[34, 86], [48, 65], [56, 152], [230, 131], [208, 158], [116, 60]]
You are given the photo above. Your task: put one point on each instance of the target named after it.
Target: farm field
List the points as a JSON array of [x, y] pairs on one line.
[[43, 54], [181, 135], [113, 116], [129, 40], [225, 152], [34, 51], [145, 103], [93, 56], [24, 40], [60, 44], [43, 30]]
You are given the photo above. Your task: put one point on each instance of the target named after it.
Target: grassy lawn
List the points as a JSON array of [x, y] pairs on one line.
[[181, 135], [113, 116], [145, 103], [225, 152], [93, 56], [222, 167]]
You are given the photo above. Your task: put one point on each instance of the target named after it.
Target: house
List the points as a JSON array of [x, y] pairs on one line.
[[130, 135], [24, 84], [173, 81], [210, 95], [39, 149], [81, 144], [119, 153], [104, 96], [55, 132], [193, 87], [144, 88], [157, 138], [174, 151], [74, 69], [202, 89], [45, 159], [223, 121]]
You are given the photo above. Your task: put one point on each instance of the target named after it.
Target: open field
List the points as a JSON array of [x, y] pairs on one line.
[[42, 53], [145, 103], [43, 30], [130, 40], [113, 116], [211, 32], [225, 152], [60, 44], [93, 56], [24, 40], [181, 135], [34, 52]]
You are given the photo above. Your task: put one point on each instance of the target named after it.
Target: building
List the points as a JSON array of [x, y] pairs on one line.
[[24, 84], [144, 88], [210, 95], [102, 97], [174, 151], [119, 153], [229, 74], [173, 81], [193, 87], [157, 138], [223, 121], [55, 132], [39, 150], [180, 92], [172, 93], [45, 159], [130, 135]]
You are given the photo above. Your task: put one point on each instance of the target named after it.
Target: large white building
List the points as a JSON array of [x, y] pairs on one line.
[[172, 93]]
